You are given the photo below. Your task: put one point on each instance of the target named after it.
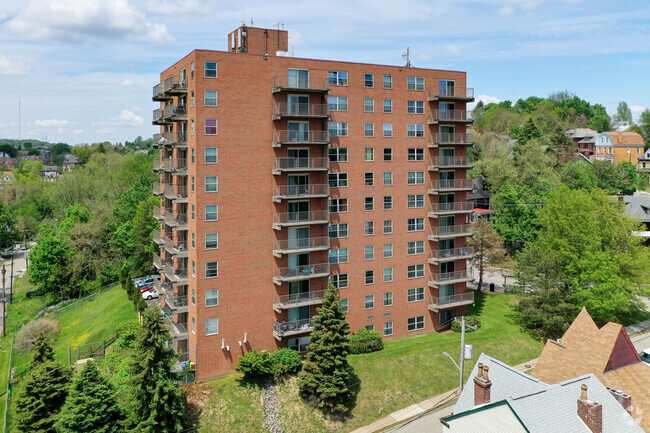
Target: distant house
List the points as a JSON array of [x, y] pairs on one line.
[[46, 156], [616, 147], [585, 139], [643, 163], [481, 201], [4, 155], [621, 126], [70, 162], [50, 173], [10, 163], [23, 153], [637, 206]]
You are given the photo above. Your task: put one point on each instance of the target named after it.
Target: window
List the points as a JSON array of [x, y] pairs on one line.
[[211, 298], [388, 251], [211, 184], [337, 103], [210, 70], [369, 80], [388, 227], [192, 184], [192, 98], [415, 107], [368, 105], [338, 129], [415, 225], [345, 305], [388, 129], [370, 327], [388, 328], [211, 269], [415, 271], [193, 325], [415, 83], [415, 323], [388, 202], [388, 105], [388, 178], [447, 316], [338, 256], [369, 179], [299, 344], [368, 252], [369, 302], [415, 130], [211, 241], [210, 126], [388, 81], [388, 275], [415, 200], [192, 130], [370, 277], [210, 98], [338, 230], [414, 247], [337, 180], [388, 153], [211, 212], [340, 281], [338, 154], [368, 129], [192, 70], [193, 296], [193, 241], [211, 156], [369, 154], [338, 205], [193, 212], [337, 78], [211, 326], [415, 178], [415, 154], [369, 228], [193, 268], [388, 299], [369, 203]]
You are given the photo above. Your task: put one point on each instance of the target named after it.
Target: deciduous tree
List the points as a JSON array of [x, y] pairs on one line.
[[488, 247]]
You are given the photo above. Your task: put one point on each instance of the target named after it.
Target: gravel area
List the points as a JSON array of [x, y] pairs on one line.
[[271, 409]]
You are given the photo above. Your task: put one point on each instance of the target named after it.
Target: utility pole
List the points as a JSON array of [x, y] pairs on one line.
[[4, 302], [11, 281], [462, 351]]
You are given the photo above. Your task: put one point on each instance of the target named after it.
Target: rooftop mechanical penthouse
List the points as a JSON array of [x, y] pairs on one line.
[[279, 174]]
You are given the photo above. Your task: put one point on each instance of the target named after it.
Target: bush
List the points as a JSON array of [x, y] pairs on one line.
[[469, 320], [128, 332], [255, 365], [29, 332], [365, 341], [286, 361]]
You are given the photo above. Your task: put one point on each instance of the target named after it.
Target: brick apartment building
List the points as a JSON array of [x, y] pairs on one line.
[[278, 174]]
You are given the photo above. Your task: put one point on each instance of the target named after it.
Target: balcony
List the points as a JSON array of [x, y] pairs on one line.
[[176, 303], [162, 287], [450, 254], [158, 188], [292, 246], [286, 83], [175, 166], [157, 164], [160, 263], [157, 238], [459, 116], [159, 94], [176, 275], [176, 248], [283, 192], [299, 137], [177, 193], [178, 330], [158, 117], [157, 213], [458, 207], [175, 86], [174, 139], [289, 219], [450, 138], [304, 272], [451, 93], [437, 163], [287, 329], [449, 278], [175, 113], [284, 110], [453, 301], [177, 221], [281, 165], [448, 232], [282, 302], [450, 185]]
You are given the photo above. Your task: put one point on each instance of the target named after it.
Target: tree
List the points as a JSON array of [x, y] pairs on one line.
[[158, 406], [488, 247], [43, 393], [43, 351], [8, 232], [91, 405], [579, 175], [644, 126], [562, 146], [49, 264], [326, 377], [516, 212], [623, 113], [600, 122]]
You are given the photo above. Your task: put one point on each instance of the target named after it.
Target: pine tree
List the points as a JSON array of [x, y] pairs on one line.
[[326, 376], [158, 404], [43, 351], [91, 406], [44, 392]]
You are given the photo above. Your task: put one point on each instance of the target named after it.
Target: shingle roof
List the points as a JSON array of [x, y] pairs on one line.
[[638, 206], [625, 138]]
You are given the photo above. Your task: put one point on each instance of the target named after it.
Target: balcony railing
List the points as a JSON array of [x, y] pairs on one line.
[[157, 213], [171, 164], [291, 191], [175, 301], [157, 237], [451, 161], [176, 139], [302, 272], [157, 115], [456, 138], [162, 287], [301, 164], [449, 276], [290, 82], [298, 299], [458, 206], [445, 302], [450, 116], [301, 217], [302, 244], [451, 254], [445, 184], [159, 262], [300, 110], [157, 164], [282, 329], [175, 246], [175, 112], [290, 136], [176, 219], [174, 273], [158, 188], [159, 92], [175, 85], [178, 330], [175, 192], [458, 230], [451, 92]]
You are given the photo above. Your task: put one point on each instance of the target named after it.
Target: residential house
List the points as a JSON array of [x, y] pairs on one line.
[[9, 163], [621, 126], [606, 353], [585, 139], [643, 163], [616, 147], [637, 206], [69, 162], [481, 201], [46, 156], [50, 173], [499, 398]]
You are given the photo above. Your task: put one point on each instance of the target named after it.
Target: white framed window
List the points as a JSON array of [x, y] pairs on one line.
[[388, 202], [192, 98], [340, 281], [388, 129], [211, 155], [388, 299], [368, 105], [415, 271], [337, 103], [415, 130], [415, 200], [193, 325], [415, 178], [337, 129], [414, 247], [211, 269], [193, 212], [369, 178], [337, 78], [338, 205], [369, 302], [345, 305], [388, 105], [210, 126], [368, 252], [415, 107], [369, 80], [388, 328], [210, 98], [388, 227], [388, 178], [337, 231], [368, 129], [388, 81], [193, 296], [210, 69], [338, 154], [415, 323], [211, 184], [192, 130], [388, 153], [369, 154], [192, 70], [388, 275], [192, 183], [388, 251], [338, 256], [415, 154], [211, 212], [369, 228], [211, 241], [193, 241], [369, 277], [337, 180], [211, 326], [415, 224], [369, 203], [415, 83], [212, 298]]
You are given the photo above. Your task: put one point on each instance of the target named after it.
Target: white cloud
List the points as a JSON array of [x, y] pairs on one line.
[[295, 38], [131, 119], [77, 20], [636, 111], [12, 67], [487, 99], [51, 123], [3, 17], [505, 11], [77, 131], [424, 57], [451, 49], [126, 82]]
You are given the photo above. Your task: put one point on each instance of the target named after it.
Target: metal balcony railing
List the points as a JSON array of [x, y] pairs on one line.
[[157, 164], [175, 192], [301, 217], [175, 85], [175, 246], [451, 184], [286, 301], [306, 243], [451, 161], [300, 110], [159, 262], [157, 213], [173, 300], [166, 138], [173, 111], [293, 327], [299, 82], [458, 206], [157, 114], [450, 116], [176, 219], [162, 287], [306, 271], [158, 90], [174, 273], [158, 188], [451, 301], [451, 230], [451, 138], [157, 238], [451, 253], [449, 276], [301, 163], [290, 191], [178, 330], [291, 136], [451, 92], [173, 164]]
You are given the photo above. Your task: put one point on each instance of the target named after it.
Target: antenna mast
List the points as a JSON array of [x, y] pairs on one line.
[[407, 57], [19, 118]]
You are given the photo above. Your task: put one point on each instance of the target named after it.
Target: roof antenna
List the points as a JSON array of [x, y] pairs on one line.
[[251, 22], [407, 57]]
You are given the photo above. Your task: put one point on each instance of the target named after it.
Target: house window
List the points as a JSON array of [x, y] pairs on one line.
[[345, 305], [192, 70], [415, 200], [193, 268], [388, 202], [192, 130], [338, 256], [368, 252], [368, 129], [192, 98], [369, 154], [369, 302], [193, 212], [388, 129], [447, 316], [337, 180], [388, 299], [388, 275], [211, 241], [211, 326], [370, 277], [337, 129], [210, 98], [370, 327], [369, 80], [388, 153], [388, 105], [212, 298], [415, 224], [368, 105], [388, 251], [337, 78], [388, 227], [211, 156], [415, 107], [193, 241], [192, 184], [369, 179], [211, 212], [414, 247], [299, 344], [415, 154], [193, 325], [388, 81], [338, 154], [369, 203], [415, 323], [337, 103], [193, 296], [415, 83], [388, 328], [211, 269], [338, 231], [388, 178], [415, 271], [211, 184], [415, 178], [340, 281], [415, 130], [210, 69], [369, 228], [338, 205], [210, 126]]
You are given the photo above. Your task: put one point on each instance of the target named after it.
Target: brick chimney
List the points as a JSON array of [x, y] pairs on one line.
[[591, 413], [624, 399], [482, 386]]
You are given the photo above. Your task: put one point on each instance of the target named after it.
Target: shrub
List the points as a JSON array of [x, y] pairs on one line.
[[255, 365], [28, 334], [286, 361], [365, 341], [469, 320], [128, 332]]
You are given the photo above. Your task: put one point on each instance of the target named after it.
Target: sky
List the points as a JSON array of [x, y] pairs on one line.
[[82, 71]]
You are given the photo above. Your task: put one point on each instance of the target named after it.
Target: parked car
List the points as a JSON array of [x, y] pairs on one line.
[[645, 355], [7, 252], [150, 294], [147, 281], [34, 294], [146, 288]]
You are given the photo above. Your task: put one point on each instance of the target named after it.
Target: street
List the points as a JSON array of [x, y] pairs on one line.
[[20, 266]]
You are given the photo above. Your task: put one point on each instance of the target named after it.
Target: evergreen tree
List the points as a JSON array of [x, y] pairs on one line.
[[43, 393], [43, 351], [91, 406], [326, 376], [158, 405]]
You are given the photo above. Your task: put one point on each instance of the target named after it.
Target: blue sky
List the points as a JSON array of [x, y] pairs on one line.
[[83, 70]]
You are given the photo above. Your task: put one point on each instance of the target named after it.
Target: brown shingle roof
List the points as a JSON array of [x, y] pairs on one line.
[[625, 138]]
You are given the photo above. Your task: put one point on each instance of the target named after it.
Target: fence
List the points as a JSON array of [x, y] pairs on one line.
[[78, 303], [95, 350]]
